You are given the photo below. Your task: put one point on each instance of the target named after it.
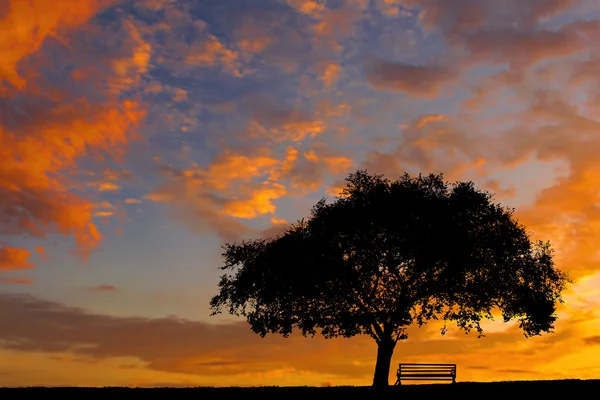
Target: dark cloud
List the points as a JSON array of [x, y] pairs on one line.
[[173, 344], [518, 371], [103, 288], [415, 80], [166, 344], [591, 340]]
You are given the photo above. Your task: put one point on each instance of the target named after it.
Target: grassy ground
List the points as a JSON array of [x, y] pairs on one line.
[[517, 389]]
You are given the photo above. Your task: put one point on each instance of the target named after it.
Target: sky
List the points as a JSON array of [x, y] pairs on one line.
[[137, 137]]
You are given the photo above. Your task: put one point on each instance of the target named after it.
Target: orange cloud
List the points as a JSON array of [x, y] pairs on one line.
[[275, 220], [251, 38], [553, 121], [108, 187], [229, 167], [254, 45], [26, 24], [426, 119], [271, 120], [180, 95], [329, 74], [311, 156], [287, 126], [336, 24], [104, 209], [12, 258], [259, 202], [244, 185], [392, 8], [128, 70], [338, 164], [432, 143], [567, 211], [234, 185], [310, 7], [41, 145], [211, 51], [104, 213], [329, 26], [308, 173], [40, 201]]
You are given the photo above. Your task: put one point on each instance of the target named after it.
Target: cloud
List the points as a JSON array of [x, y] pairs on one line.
[[416, 80], [129, 69], [12, 258], [592, 340], [540, 105], [329, 73], [27, 25], [244, 184], [430, 143], [216, 353], [234, 185], [308, 171], [103, 288], [310, 7], [104, 209], [462, 17], [204, 48], [108, 187], [278, 221], [259, 202], [16, 281], [251, 38], [53, 128], [29, 324], [180, 95], [211, 51], [522, 49], [269, 120], [392, 8], [518, 371], [427, 119], [37, 203]]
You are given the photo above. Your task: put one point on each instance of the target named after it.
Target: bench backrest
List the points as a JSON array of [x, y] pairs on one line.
[[416, 370]]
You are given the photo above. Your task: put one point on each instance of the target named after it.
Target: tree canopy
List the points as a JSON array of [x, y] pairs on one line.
[[386, 254]]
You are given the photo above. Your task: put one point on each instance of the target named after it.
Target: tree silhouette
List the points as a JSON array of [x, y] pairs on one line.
[[387, 254]]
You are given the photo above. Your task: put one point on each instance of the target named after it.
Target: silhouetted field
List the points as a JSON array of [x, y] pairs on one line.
[[520, 389]]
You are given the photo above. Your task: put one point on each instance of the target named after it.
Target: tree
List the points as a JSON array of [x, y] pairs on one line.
[[387, 254]]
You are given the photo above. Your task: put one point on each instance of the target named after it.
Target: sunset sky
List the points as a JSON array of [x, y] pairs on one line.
[[136, 137]]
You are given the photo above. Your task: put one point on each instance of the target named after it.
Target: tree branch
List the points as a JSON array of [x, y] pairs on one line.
[[378, 329], [373, 334]]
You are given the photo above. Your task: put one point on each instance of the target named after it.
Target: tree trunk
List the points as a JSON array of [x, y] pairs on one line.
[[385, 350]]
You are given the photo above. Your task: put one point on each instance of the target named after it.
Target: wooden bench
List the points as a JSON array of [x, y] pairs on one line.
[[426, 372]]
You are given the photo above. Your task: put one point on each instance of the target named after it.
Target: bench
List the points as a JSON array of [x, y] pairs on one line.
[[426, 372]]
